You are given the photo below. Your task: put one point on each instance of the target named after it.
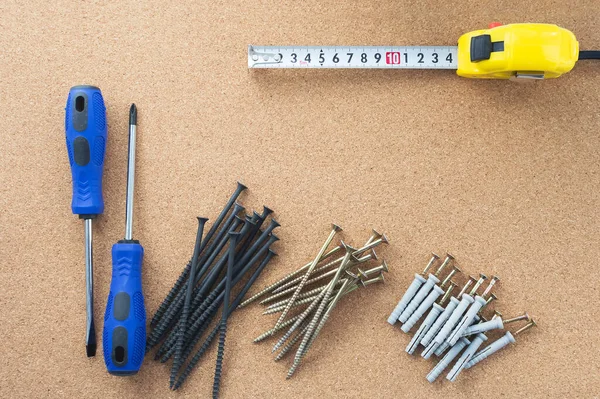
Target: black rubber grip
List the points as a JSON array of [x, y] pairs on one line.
[[81, 151], [121, 306], [119, 346]]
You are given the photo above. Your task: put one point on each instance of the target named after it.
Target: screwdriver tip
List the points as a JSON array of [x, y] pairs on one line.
[[90, 339], [133, 115], [90, 350]]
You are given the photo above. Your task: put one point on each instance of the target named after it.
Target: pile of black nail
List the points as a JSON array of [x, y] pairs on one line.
[[236, 248]]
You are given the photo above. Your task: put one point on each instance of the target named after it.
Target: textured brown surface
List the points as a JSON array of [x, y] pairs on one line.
[[503, 175]]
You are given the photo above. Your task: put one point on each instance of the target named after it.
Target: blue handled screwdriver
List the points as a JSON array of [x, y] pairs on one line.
[[85, 130], [124, 335]]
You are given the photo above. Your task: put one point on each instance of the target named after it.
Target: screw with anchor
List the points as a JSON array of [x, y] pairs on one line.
[[500, 343], [412, 290]]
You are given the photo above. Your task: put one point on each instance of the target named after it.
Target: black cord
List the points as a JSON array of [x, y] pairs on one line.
[[589, 55]]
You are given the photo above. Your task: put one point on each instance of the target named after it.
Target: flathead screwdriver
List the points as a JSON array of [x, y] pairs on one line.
[[124, 336], [86, 133]]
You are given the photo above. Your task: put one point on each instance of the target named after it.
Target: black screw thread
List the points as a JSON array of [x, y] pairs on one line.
[[213, 334], [186, 307], [207, 306], [168, 308], [168, 345], [189, 347], [177, 361], [190, 367], [169, 298], [180, 280], [166, 323], [223, 325], [220, 353]]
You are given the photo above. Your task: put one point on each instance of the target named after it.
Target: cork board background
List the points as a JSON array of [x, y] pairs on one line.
[[503, 175]]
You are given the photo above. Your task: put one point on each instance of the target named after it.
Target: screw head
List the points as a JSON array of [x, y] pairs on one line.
[[354, 276], [436, 256], [361, 274], [533, 323], [384, 266], [373, 254], [336, 227], [375, 234], [482, 276], [384, 239], [449, 255]]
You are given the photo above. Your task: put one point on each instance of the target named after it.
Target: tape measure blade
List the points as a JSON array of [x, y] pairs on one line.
[[380, 57]]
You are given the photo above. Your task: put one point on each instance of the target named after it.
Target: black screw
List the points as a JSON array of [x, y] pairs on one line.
[[184, 275], [186, 306], [213, 301], [199, 303], [223, 325], [169, 319], [214, 332], [196, 330]]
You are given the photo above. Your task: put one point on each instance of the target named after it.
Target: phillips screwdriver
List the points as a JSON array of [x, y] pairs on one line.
[[124, 335], [86, 133]]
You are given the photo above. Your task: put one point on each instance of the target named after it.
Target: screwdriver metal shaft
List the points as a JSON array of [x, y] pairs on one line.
[[90, 335], [130, 173]]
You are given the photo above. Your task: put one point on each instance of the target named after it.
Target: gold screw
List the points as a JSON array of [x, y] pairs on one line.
[[334, 230], [526, 327], [493, 281], [466, 287], [454, 270], [448, 292], [482, 278], [432, 261], [524, 316], [373, 280], [448, 259]]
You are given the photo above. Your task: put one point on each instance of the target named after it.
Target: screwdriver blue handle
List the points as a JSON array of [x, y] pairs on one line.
[[85, 126], [124, 336]]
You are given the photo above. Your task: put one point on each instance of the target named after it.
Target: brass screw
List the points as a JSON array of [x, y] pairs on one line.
[[373, 280], [524, 316], [378, 269], [493, 281], [448, 292], [448, 259], [482, 278], [454, 270], [324, 302], [466, 287], [491, 299], [496, 314], [432, 261], [529, 325], [334, 230]]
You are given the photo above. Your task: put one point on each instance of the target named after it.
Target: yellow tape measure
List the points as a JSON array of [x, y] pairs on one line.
[[517, 50], [534, 51]]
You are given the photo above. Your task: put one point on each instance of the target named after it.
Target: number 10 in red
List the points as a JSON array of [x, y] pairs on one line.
[[392, 58]]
